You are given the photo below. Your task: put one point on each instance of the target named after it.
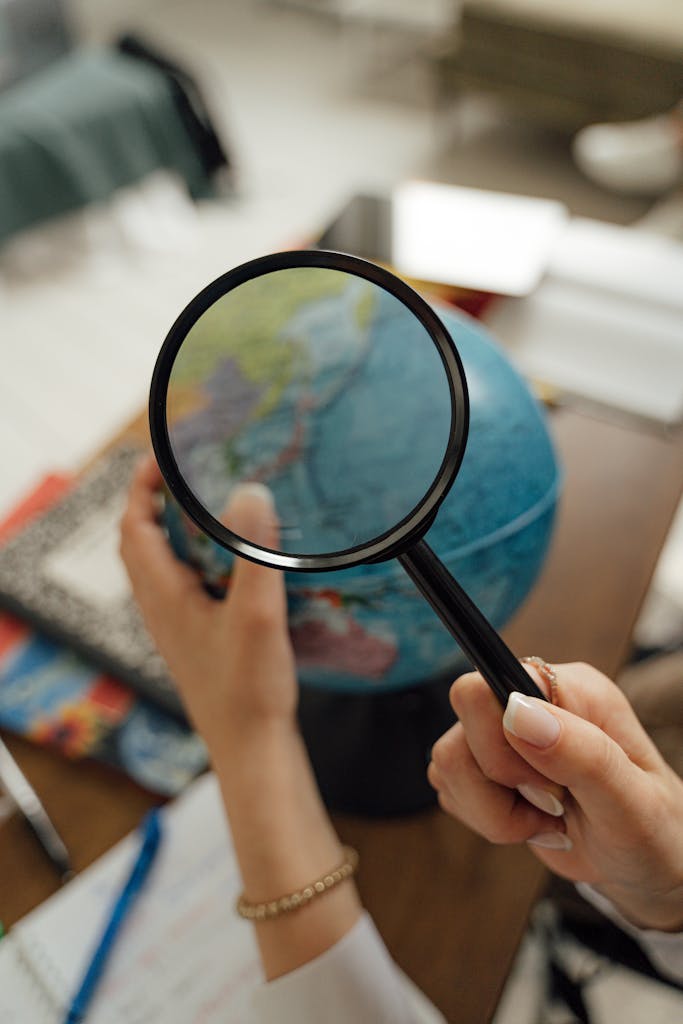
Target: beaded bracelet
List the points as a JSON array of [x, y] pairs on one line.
[[302, 897]]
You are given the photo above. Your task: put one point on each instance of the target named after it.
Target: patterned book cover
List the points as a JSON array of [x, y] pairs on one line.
[[62, 572], [55, 697]]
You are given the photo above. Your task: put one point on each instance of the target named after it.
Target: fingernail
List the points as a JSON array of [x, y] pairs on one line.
[[551, 841], [251, 513], [542, 799], [252, 488], [527, 718]]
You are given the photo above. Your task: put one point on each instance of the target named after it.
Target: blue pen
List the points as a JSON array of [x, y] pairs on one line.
[[150, 828]]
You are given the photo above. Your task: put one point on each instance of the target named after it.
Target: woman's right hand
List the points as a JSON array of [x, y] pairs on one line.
[[619, 821]]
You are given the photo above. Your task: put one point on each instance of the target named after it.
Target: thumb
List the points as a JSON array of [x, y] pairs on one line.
[[575, 753], [255, 591]]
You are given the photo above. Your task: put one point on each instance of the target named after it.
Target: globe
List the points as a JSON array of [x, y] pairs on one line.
[[365, 629]]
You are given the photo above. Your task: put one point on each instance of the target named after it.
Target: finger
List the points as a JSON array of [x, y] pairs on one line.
[[494, 811], [256, 593], [144, 488], [149, 560], [577, 754], [434, 777], [481, 716], [591, 695]]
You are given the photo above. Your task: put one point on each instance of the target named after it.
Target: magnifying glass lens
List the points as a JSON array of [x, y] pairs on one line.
[[322, 385], [336, 385]]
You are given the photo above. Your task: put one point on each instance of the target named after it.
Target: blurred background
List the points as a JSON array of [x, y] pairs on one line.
[[147, 147]]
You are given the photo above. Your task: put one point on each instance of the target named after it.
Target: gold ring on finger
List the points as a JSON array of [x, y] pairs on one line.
[[547, 672]]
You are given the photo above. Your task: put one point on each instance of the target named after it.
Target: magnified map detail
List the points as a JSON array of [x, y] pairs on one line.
[[321, 385]]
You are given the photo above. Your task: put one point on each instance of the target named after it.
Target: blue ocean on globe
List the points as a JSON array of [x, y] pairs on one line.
[[366, 628]]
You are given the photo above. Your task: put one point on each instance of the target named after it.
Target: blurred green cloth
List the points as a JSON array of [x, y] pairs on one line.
[[92, 122]]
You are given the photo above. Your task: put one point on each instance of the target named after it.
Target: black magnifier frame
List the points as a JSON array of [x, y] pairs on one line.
[[478, 639], [381, 547]]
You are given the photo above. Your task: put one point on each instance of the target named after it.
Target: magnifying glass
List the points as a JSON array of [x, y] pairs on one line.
[[285, 354]]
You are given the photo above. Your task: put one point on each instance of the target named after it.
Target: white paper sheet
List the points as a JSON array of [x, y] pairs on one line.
[[606, 322], [183, 957], [490, 241]]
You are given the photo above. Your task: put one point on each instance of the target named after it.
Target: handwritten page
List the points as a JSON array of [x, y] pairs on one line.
[[183, 955]]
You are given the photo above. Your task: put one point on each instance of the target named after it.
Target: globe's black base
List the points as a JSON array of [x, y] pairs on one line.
[[370, 751]]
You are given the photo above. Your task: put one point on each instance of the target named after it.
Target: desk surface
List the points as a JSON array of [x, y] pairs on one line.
[[451, 908]]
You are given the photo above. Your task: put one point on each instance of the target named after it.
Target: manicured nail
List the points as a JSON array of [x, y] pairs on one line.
[[543, 799], [551, 841], [527, 718]]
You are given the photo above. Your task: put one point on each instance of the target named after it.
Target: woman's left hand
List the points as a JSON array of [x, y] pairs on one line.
[[234, 666], [232, 660]]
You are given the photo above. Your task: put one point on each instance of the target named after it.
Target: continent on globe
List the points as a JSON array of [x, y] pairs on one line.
[[327, 637], [328, 392]]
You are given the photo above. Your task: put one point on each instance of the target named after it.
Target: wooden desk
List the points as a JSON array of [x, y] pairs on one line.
[[451, 908]]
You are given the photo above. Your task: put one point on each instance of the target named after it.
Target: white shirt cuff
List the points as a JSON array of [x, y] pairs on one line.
[[353, 982], [664, 949]]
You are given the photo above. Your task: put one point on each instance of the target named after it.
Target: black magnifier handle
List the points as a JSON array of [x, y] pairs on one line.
[[478, 639]]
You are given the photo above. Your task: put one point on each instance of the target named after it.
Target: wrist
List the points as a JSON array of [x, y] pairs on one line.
[[282, 835], [231, 736], [651, 912], [281, 830]]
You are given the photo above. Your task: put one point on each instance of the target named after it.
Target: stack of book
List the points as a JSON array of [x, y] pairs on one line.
[[78, 671]]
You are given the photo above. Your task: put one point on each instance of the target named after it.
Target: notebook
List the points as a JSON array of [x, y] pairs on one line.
[[55, 697], [183, 956], [62, 572]]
